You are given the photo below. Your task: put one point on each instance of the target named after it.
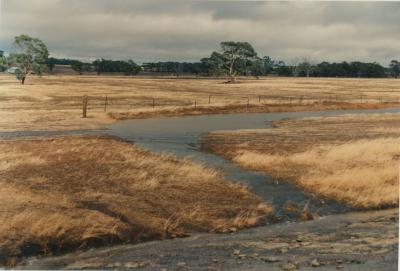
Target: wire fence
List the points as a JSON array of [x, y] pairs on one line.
[[108, 103]]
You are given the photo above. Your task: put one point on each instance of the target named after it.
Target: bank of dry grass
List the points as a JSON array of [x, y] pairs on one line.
[[354, 159], [55, 102], [66, 192]]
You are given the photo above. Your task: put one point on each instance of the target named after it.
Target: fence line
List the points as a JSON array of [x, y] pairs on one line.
[[108, 103]]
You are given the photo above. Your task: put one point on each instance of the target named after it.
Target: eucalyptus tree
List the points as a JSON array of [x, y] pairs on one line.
[[233, 58], [31, 56]]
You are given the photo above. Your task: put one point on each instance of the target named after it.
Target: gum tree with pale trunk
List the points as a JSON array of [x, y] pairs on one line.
[[233, 57], [32, 55]]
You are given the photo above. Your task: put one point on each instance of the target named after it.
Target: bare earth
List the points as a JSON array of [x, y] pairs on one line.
[[355, 241]]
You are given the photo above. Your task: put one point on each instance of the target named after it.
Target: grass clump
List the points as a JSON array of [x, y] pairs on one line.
[[70, 192], [352, 158]]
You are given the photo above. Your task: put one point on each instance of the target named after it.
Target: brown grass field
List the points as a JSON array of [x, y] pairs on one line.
[[71, 192], [55, 102], [68, 192], [353, 158]]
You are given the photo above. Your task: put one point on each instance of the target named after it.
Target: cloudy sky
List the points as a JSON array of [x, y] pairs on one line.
[[147, 30]]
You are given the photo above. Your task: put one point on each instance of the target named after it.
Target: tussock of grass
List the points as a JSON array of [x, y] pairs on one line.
[[79, 191], [363, 173], [351, 158]]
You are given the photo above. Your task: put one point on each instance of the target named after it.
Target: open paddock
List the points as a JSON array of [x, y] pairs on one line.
[[55, 102]]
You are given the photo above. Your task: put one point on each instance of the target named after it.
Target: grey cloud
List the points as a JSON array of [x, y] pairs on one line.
[[149, 30]]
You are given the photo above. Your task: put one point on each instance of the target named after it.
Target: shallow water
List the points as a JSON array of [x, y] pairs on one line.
[[181, 136]]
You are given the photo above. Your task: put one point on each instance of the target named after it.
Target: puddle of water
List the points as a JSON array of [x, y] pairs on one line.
[[181, 136]]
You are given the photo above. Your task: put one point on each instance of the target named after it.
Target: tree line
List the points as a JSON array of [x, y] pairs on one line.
[[232, 59], [266, 67], [99, 66]]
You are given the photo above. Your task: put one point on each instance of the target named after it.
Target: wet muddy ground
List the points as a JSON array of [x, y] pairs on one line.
[[352, 241]]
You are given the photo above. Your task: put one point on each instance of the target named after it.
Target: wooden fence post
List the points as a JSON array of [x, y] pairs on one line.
[[105, 104], [209, 99], [84, 106]]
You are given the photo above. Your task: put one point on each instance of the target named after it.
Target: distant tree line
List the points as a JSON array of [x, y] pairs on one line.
[[51, 62], [266, 66], [213, 66], [240, 59], [175, 68], [99, 66], [231, 60], [127, 67], [327, 69]]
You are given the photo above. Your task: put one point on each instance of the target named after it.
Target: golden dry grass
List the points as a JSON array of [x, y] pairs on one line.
[[54, 102], [66, 192], [354, 159], [362, 172]]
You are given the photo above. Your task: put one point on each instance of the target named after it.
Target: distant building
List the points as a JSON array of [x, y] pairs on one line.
[[12, 69]]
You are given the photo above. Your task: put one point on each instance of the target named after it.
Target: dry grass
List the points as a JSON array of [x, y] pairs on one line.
[[362, 172], [350, 158], [54, 102], [67, 192]]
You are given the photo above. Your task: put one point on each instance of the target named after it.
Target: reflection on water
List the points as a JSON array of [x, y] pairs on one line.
[[181, 136]]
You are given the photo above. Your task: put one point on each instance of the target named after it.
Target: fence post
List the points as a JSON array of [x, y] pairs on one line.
[[154, 102], [248, 102], [105, 104], [209, 99], [84, 106], [195, 104]]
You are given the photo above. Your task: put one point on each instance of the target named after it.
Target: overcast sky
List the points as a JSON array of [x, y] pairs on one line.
[[147, 30]]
